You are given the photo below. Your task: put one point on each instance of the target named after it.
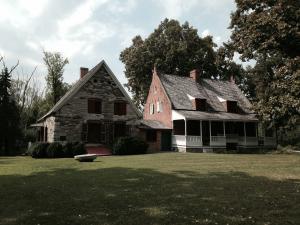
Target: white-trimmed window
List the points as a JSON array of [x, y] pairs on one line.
[[159, 106], [151, 108]]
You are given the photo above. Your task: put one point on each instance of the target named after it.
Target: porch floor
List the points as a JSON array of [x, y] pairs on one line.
[[98, 150]]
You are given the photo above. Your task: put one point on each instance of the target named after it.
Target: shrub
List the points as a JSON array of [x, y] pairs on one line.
[[54, 150], [78, 148], [129, 146], [38, 150], [67, 149]]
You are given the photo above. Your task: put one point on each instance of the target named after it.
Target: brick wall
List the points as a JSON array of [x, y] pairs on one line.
[[157, 93]]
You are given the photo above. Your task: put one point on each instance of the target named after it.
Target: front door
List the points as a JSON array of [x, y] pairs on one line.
[[166, 140], [94, 133], [205, 133]]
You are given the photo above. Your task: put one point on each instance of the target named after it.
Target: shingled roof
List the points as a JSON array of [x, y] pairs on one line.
[[179, 88]]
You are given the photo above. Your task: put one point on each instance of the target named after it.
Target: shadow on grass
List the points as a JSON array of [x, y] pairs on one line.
[[144, 196]]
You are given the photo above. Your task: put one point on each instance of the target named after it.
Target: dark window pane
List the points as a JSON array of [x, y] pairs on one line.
[[94, 106], [231, 106], [120, 108], [178, 127], [193, 127], [200, 104]]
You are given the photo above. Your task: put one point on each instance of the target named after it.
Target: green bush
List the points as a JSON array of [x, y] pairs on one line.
[[129, 146], [54, 150], [38, 150], [67, 149], [78, 148]]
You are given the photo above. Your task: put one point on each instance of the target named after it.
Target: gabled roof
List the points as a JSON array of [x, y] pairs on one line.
[[79, 84], [181, 88]]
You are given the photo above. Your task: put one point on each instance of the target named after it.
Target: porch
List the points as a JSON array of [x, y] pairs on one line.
[[215, 134]]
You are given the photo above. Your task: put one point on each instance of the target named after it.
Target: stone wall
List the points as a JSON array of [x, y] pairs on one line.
[[70, 119]]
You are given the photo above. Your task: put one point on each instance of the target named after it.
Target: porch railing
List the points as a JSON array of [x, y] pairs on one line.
[[218, 141], [193, 141], [178, 140]]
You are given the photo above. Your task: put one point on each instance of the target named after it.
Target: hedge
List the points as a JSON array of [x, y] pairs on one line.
[[129, 146]]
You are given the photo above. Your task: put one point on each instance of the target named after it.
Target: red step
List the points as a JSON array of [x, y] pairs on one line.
[[98, 150]]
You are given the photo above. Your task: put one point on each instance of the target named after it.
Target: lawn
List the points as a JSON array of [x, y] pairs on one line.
[[165, 188]]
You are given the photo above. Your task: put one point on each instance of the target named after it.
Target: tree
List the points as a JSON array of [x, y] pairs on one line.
[[55, 66], [173, 49], [267, 31], [9, 115]]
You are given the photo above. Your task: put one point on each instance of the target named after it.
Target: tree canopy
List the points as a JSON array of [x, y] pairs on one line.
[[267, 31], [56, 88], [173, 49]]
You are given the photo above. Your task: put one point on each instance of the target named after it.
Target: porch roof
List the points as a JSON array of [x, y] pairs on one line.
[[37, 125], [153, 124], [199, 115]]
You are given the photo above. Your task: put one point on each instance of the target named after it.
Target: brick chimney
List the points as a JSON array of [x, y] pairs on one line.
[[83, 71], [195, 75]]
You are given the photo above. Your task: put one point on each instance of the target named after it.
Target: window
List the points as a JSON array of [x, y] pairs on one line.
[[62, 138], [151, 136], [158, 106], [151, 108], [94, 106], [200, 104], [120, 108], [178, 127], [231, 106]]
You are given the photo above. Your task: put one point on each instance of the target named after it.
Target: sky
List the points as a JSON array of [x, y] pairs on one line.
[[87, 31]]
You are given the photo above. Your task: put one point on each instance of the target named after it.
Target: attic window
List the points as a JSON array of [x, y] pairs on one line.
[[199, 104], [120, 108], [231, 106], [94, 106], [151, 108]]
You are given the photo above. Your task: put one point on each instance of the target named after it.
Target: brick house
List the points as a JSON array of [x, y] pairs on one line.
[[188, 113], [96, 110]]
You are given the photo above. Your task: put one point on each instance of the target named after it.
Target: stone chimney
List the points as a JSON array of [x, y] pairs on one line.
[[83, 71], [195, 75]]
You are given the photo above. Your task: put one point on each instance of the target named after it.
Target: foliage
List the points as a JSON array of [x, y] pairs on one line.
[[56, 88], [173, 49], [9, 114], [67, 149], [78, 149], [268, 32], [38, 150], [129, 146], [54, 150]]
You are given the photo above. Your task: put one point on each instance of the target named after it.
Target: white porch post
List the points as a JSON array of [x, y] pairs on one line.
[[209, 132], [185, 129], [224, 128], [245, 133], [201, 132]]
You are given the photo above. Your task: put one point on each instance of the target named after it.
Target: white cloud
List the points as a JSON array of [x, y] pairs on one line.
[[175, 8]]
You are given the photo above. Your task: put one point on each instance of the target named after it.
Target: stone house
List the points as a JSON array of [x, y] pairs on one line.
[[189, 113], [96, 110]]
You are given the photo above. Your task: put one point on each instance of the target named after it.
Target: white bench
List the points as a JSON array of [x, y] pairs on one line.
[[85, 157]]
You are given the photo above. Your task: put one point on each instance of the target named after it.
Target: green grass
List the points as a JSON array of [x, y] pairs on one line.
[[166, 188]]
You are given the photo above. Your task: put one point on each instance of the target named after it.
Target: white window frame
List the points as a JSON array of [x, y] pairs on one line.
[[151, 108]]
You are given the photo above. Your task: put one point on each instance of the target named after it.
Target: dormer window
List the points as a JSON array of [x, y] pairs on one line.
[[231, 106], [199, 104]]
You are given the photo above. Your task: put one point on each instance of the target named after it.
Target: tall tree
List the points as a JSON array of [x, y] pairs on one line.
[[9, 115], [173, 49], [55, 63], [267, 31]]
